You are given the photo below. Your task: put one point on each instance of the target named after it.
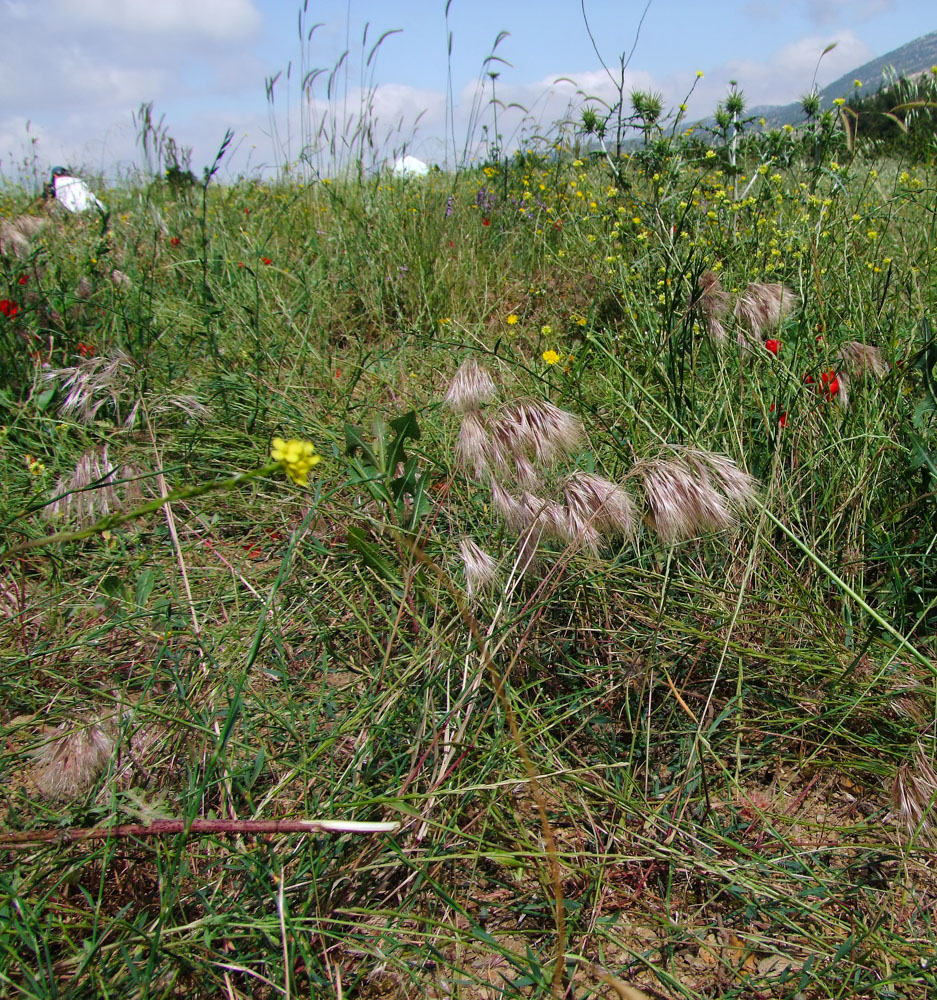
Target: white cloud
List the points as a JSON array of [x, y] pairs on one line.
[[221, 21], [789, 72]]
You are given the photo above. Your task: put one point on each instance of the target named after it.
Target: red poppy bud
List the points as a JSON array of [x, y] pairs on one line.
[[773, 346]]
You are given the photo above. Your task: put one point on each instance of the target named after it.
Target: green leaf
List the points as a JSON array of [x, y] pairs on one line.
[[372, 557], [354, 442], [403, 427], [44, 398], [145, 583], [113, 586]]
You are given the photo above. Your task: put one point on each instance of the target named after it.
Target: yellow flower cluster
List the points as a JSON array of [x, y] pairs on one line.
[[297, 458]]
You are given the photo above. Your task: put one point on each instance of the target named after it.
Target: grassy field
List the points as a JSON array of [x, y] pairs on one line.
[[693, 758]]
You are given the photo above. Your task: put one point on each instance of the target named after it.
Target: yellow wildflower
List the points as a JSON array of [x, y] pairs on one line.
[[512, 319], [551, 357], [297, 458]]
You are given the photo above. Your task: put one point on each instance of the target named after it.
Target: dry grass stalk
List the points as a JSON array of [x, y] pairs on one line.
[[914, 792], [762, 307], [471, 386], [481, 569], [713, 303], [862, 359], [73, 758]]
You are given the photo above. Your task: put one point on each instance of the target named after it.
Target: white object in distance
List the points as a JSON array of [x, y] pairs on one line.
[[72, 192], [410, 166]]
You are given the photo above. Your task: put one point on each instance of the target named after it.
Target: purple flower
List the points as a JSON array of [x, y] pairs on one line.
[[450, 202], [485, 200]]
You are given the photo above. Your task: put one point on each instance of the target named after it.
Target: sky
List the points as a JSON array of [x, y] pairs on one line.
[[74, 72]]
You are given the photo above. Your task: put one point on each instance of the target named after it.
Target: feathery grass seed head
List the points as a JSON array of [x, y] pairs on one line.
[[473, 447], [471, 386], [481, 569], [762, 307], [597, 503], [862, 359], [679, 504], [73, 758]]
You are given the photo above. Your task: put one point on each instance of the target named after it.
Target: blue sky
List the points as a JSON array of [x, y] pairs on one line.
[[75, 70]]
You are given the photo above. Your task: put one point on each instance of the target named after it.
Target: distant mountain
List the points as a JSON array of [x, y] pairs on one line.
[[908, 60]]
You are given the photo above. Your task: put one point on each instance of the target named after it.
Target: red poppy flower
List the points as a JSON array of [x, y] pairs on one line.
[[830, 383], [86, 350], [175, 241], [8, 308], [265, 260], [808, 379], [486, 222], [24, 279], [773, 346], [782, 420]]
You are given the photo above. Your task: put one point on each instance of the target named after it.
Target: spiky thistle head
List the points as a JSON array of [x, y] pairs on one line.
[[471, 386]]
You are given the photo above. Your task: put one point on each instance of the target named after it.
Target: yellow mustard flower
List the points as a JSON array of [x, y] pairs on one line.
[[551, 357], [297, 458]]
